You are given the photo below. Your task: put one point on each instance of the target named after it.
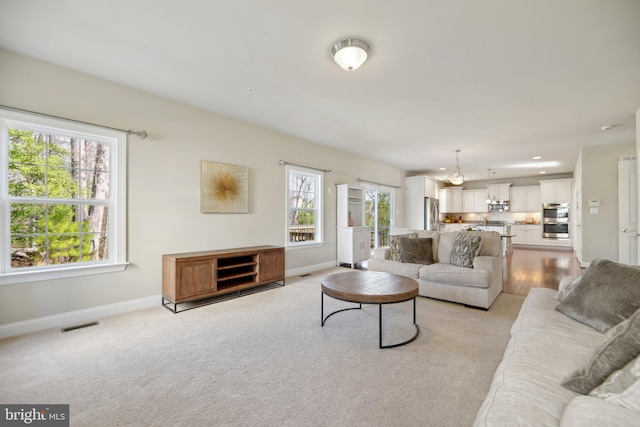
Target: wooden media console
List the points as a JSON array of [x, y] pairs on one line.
[[193, 276]]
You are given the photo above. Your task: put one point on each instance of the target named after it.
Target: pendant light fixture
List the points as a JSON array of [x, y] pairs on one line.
[[456, 178], [350, 54]]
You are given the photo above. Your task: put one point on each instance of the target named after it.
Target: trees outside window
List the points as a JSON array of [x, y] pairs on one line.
[[304, 207]]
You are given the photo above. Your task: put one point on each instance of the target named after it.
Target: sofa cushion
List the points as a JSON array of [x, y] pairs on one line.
[[416, 251], [394, 245], [608, 293], [622, 344], [465, 249], [450, 274], [394, 267]]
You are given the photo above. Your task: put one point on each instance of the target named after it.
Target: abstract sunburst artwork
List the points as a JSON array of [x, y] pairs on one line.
[[223, 188]]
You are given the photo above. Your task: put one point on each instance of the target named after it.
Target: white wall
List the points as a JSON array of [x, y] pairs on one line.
[[600, 181], [164, 184]]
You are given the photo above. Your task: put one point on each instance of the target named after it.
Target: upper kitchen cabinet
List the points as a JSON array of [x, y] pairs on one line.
[[450, 199], [525, 199], [423, 186], [555, 191], [499, 192], [474, 201]]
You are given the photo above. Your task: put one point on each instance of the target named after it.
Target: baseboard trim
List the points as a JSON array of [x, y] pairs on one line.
[[309, 269], [70, 318]]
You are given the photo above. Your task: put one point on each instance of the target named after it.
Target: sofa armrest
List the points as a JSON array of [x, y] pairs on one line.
[[489, 263]]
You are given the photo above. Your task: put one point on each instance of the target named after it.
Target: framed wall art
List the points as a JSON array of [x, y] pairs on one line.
[[223, 188]]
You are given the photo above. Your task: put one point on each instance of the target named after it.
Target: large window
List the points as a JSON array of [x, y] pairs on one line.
[[304, 207], [62, 198], [378, 215]]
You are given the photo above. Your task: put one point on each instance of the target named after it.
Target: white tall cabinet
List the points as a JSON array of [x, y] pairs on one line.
[[418, 187], [353, 237]]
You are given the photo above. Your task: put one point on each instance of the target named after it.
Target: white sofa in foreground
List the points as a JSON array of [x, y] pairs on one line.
[[477, 285], [548, 348]]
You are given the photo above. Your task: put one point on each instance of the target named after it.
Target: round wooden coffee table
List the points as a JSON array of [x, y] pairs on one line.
[[370, 287]]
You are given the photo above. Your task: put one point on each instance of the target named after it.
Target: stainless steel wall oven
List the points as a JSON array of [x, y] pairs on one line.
[[555, 220]]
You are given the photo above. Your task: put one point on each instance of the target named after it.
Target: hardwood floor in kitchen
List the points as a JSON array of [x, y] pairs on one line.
[[524, 269]]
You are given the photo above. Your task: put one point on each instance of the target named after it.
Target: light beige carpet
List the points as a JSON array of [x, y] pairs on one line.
[[264, 359]]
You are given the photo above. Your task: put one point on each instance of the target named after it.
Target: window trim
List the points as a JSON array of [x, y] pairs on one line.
[[319, 233], [116, 202]]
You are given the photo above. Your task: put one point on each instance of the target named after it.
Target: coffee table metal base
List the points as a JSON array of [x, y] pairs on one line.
[[324, 318]]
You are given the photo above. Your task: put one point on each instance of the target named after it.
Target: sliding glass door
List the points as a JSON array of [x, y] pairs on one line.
[[378, 215]]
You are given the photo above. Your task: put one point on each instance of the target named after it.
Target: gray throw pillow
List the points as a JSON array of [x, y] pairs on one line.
[[416, 251], [566, 285], [621, 345], [608, 293], [394, 245], [465, 248], [619, 381]]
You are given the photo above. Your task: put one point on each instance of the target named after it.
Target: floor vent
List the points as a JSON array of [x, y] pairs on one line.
[[305, 275], [86, 325]]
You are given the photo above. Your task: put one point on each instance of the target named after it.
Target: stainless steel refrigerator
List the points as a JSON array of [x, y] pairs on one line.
[[431, 213]]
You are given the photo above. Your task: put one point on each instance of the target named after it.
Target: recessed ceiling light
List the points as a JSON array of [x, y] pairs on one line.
[[607, 127], [443, 169], [542, 172], [537, 158]]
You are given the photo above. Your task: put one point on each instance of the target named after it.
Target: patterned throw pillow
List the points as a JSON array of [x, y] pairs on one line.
[[465, 248], [394, 245]]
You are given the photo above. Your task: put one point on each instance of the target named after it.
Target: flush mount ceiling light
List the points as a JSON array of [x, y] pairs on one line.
[[350, 53], [456, 178]]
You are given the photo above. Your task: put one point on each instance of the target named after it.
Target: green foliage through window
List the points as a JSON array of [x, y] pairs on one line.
[[56, 185]]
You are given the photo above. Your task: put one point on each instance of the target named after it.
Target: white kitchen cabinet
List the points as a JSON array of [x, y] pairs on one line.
[[532, 199], [525, 199], [353, 245], [555, 191], [450, 199], [499, 192], [526, 235], [474, 201], [518, 232], [533, 234], [555, 242]]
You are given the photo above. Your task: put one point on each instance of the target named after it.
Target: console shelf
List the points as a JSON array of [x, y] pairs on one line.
[[195, 276]]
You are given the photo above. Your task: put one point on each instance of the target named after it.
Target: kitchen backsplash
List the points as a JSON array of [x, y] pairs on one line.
[[494, 216]]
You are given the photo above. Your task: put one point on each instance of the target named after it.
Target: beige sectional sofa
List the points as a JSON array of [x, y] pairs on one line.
[[477, 286], [548, 349]]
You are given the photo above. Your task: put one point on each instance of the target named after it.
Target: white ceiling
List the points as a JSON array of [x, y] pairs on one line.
[[501, 80]]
